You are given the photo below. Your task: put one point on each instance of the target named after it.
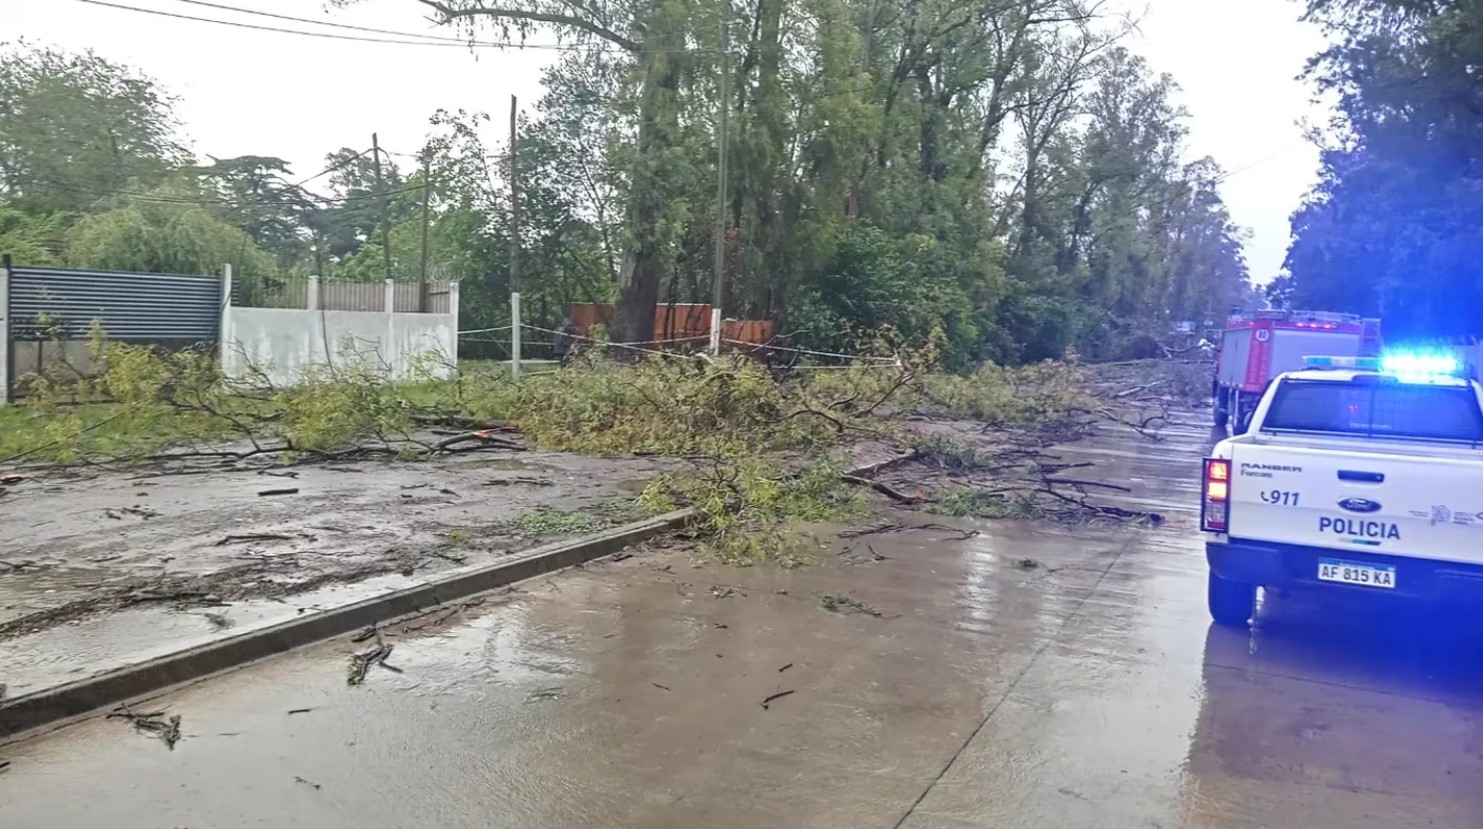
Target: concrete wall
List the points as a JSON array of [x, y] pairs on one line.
[[288, 343]]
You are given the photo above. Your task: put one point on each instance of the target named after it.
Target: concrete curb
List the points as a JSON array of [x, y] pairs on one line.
[[51, 706]]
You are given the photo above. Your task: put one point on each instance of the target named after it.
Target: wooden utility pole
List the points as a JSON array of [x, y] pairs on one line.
[[718, 288], [381, 191], [427, 189], [514, 244]]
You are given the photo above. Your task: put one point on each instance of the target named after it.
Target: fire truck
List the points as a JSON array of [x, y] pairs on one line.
[[1252, 350]]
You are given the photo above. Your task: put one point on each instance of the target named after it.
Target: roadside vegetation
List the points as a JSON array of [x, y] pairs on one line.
[[761, 448]]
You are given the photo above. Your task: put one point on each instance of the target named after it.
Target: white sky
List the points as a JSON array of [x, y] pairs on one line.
[[262, 93]]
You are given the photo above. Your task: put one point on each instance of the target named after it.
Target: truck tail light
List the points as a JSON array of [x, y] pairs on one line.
[[1215, 500]]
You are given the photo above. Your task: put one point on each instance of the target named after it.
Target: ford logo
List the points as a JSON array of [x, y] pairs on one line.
[[1359, 505]]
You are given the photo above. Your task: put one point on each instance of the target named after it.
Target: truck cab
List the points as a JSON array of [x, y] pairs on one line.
[[1354, 474]]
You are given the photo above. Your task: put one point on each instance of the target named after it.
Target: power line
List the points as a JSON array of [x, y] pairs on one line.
[[429, 40], [325, 23]]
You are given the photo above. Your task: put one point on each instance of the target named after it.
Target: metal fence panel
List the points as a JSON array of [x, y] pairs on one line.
[[129, 306]]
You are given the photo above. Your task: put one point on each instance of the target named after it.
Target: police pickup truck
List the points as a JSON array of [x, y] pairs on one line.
[[1353, 474]]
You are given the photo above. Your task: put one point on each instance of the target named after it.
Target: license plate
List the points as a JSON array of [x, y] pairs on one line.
[[1350, 572]]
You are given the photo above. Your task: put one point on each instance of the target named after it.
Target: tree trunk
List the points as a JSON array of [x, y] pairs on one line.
[[638, 292]]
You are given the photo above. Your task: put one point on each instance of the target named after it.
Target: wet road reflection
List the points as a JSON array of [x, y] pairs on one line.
[[1089, 690]]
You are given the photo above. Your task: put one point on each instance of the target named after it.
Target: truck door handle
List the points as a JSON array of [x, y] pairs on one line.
[[1361, 477]]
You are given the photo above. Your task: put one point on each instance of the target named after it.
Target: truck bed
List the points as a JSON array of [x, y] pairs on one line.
[[1414, 502]]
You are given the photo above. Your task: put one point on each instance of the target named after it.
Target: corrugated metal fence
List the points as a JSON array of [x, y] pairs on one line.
[[131, 307], [50, 313]]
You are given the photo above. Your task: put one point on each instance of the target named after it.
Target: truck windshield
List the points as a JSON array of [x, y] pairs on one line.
[[1377, 407]]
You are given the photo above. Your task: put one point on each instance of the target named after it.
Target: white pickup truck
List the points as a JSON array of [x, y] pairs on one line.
[[1355, 474]]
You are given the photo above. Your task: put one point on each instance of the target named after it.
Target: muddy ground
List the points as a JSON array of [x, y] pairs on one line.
[[1016, 674], [78, 541]]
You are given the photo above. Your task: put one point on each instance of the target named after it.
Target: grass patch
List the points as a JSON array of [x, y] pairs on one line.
[[544, 523]]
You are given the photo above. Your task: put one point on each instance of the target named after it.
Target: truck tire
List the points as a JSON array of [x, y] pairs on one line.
[[1232, 603], [1222, 409]]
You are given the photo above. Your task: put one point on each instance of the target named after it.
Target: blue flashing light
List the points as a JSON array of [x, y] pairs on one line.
[[1353, 363], [1415, 367]]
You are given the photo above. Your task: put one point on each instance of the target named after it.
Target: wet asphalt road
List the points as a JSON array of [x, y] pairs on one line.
[[1085, 690]]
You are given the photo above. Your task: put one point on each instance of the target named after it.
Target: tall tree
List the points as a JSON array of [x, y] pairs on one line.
[[1392, 227], [76, 128]]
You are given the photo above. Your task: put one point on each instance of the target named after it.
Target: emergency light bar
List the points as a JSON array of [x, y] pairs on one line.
[[1354, 363], [1411, 368]]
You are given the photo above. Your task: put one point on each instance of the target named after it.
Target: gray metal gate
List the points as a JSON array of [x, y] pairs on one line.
[[52, 305], [131, 307]]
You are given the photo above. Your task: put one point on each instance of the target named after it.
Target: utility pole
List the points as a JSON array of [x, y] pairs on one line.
[[721, 135], [427, 189], [514, 246], [381, 191]]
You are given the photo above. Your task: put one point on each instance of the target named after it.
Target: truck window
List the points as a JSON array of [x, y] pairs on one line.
[[1377, 407]]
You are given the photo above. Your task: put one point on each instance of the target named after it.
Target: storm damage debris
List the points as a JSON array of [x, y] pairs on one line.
[[250, 537], [893, 527], [362, 662], [155, 724], [767, 703], [288, 490], [848, 604], [298, 779], [543, 694], [140, 512]]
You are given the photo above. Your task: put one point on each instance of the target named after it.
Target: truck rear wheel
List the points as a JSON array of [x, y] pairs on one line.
[[1222, 409], [1232, 603]]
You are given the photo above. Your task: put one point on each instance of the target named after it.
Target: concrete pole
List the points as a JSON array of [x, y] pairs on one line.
[[724, 104], [5, 330], [515, 334], [389, 350], [224, 331]]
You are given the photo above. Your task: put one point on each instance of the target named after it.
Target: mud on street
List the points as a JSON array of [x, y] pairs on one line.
[[122, 565], [1007, 673]]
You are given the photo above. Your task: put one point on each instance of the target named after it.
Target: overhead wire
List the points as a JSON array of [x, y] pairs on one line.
[[397, 38]]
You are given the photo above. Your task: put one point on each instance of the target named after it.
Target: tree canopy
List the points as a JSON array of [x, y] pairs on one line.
[[1392, 229], [1001, 178]]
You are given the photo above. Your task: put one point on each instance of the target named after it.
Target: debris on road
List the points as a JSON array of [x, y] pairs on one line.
[[362, 662], [155, 724], [447, 613], [1027, 564], [249, 537], [544, 694], [4, 764], [845, 604], [141, 512], [725, 592], [661, 687], [218, 621], [893, 527], [298, 779], [884, 489], [369, 633], [785, 667], [293, 711], [290, 490], [766, 703]]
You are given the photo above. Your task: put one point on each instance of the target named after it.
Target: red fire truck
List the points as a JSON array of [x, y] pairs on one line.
[[1255, 349]]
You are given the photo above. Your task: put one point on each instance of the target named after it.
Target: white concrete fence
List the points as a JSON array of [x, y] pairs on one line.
[[289, 344]]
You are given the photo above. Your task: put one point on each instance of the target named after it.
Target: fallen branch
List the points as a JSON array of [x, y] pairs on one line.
[[153, 724], [884, 489]]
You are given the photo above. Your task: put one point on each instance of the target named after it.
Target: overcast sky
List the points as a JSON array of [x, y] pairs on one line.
[[264, 93]]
